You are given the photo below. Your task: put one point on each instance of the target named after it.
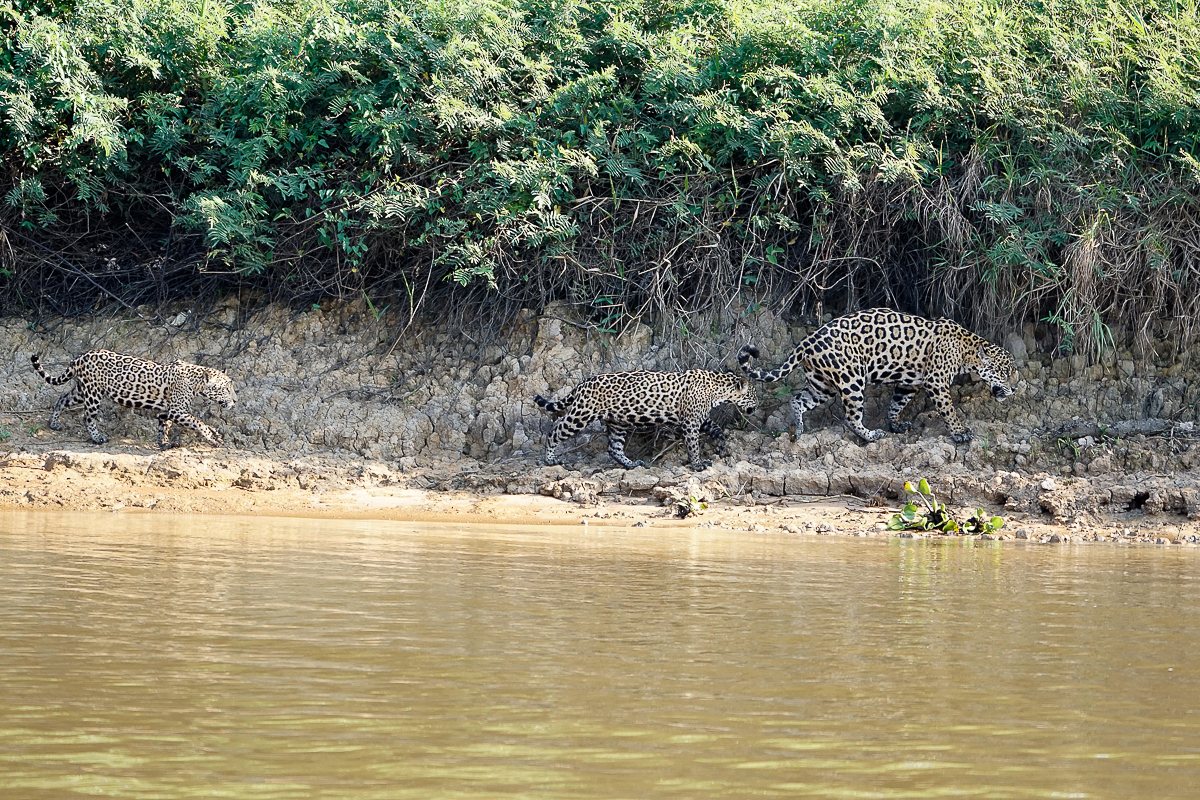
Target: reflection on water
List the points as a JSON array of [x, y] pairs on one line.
[[160, 657]]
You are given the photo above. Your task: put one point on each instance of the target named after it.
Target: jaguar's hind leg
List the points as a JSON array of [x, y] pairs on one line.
[[816, 393], [566, 427], [900, 399], [852, 401], [616, 447], [91, 415], [68, 400]]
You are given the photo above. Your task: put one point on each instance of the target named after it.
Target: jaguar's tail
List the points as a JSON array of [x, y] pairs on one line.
[[554, 406], [745, 354], [50, 379], [750, 351]]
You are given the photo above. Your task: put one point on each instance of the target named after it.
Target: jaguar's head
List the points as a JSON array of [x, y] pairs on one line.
[[219, 388], [744, 395], [997, 367]]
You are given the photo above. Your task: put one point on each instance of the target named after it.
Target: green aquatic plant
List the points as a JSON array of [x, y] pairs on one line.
[[930, 515], [924, 512], [689, 506], [981, 523]]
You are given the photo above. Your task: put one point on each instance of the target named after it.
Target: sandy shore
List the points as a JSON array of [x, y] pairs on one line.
[[132, 479], [129, 478]]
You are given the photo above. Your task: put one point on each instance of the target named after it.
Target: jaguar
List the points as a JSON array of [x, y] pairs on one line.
[[138, 383], [880, 345], [628, 401]]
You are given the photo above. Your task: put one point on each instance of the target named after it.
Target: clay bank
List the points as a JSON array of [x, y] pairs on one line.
[[345, 412]]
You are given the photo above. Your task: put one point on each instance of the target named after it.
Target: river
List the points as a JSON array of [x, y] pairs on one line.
[[152, 656]]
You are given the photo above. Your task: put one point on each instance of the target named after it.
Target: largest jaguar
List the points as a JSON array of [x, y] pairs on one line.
[[138, 383], [626, 401], [880, 345]]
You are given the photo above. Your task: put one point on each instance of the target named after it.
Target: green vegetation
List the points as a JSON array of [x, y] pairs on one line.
[[932, 515], [994, 161]]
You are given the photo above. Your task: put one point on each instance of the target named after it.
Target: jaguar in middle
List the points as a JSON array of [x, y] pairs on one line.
[[626, 401]]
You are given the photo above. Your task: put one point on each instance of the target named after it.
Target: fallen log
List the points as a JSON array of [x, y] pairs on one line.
[[1123, 429]]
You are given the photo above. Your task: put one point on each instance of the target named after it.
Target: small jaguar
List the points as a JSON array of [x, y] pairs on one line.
[[626, 401], [880, 345], [138, 383]]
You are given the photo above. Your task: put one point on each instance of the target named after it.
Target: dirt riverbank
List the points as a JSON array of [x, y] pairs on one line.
[[338, 415]]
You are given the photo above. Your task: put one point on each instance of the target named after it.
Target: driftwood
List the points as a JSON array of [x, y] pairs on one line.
[[1125, 428]]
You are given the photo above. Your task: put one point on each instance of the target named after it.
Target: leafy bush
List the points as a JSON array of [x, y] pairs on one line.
[[993, 161]]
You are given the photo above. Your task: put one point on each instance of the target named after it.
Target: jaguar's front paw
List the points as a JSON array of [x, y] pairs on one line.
[[963, 436], [899, 427], [700, 466]]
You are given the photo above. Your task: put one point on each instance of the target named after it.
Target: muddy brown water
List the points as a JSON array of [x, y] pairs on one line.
[[173, 657]]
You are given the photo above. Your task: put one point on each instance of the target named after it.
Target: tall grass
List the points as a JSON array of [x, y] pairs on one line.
[[999, 162]]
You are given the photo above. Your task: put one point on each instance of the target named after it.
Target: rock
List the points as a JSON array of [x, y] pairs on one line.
[[579, 490], [640, 479], [770, 484], [1015, 345], [807, 483]]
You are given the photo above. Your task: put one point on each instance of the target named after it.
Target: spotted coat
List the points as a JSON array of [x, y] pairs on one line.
[[138, 383], [885, 346], [626, 401]]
